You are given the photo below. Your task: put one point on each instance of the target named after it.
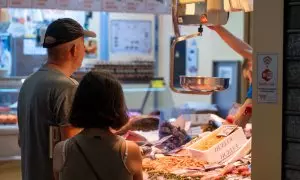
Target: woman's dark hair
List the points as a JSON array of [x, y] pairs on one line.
[[99, 102]]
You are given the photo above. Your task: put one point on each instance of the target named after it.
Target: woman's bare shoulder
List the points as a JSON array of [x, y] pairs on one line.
[[134, 157], [58, 156]]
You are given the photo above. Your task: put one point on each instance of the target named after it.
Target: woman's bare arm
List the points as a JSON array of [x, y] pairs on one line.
[[235, 43], [58, 159], [134, 161]]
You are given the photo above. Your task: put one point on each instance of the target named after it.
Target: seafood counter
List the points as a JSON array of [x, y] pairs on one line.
[[185, 168], [215, 153]]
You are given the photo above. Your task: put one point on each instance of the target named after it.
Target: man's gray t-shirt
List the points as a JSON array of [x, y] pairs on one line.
[[45, 99]]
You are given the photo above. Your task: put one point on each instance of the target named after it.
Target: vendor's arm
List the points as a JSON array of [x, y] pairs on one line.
[[235, 43], [241, 119]]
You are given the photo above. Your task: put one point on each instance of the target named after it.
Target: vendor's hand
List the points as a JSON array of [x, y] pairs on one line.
[[229, 119], [226, 123]]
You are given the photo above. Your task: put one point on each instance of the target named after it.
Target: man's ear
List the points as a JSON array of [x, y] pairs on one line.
[[73, 50]]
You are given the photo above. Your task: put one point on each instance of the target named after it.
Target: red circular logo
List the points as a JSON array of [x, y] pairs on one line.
[[267, 74]]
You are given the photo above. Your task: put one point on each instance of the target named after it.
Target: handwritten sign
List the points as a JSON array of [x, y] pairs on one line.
[[19, 3], [135, 6], [230, 151], [221, 151], [223, 144], [43, 4], [113, 5], [90, 5]]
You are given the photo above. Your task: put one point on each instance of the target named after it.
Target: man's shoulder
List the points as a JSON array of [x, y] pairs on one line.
[[63, 81], [52, 79]]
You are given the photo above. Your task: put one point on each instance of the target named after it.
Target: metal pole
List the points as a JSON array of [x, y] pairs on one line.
[[156, 57]]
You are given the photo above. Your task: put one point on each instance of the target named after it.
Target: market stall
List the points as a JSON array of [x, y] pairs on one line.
[[182, 160], [223, 151], [182, 150], [21, 30]]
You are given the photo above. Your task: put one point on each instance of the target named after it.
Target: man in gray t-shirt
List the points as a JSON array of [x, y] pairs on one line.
[[46, 96]]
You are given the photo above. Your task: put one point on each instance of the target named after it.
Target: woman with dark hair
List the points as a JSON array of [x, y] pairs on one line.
[[96, 153]]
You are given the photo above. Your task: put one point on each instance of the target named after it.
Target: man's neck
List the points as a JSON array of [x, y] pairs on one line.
[[62, 68]]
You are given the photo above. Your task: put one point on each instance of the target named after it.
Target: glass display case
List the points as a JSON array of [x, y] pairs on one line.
[[141, 98], [9, 90]]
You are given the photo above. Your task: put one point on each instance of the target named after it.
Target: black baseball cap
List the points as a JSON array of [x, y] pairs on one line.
[[64, 30]]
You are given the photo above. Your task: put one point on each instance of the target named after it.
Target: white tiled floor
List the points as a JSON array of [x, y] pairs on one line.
[[10, 170]]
